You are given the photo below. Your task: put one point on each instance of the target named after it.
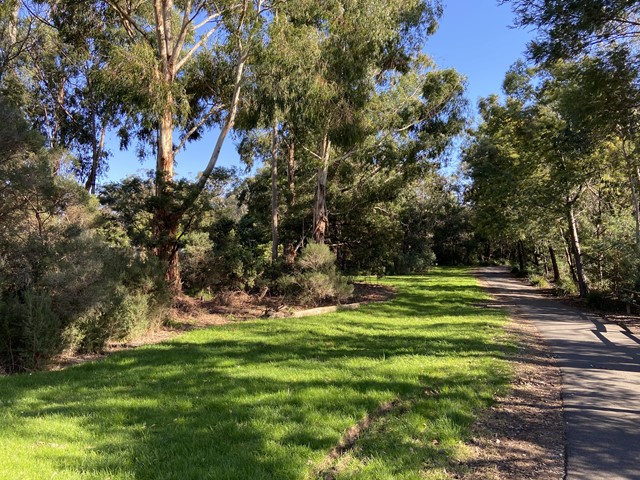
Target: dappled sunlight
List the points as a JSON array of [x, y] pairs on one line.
[[261, 399]]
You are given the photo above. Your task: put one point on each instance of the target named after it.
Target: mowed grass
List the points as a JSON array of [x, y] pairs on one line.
[[269, 399]]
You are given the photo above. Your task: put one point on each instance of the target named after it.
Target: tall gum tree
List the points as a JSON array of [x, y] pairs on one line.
[[536, 159], [184, 67], [359, 41], [319, 72]]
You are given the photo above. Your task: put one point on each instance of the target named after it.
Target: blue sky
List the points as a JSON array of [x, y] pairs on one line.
[[474, 37]]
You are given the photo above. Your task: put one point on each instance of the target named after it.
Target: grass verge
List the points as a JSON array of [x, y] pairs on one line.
[[272, 399]]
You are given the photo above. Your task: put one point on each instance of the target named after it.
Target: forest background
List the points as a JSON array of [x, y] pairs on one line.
[[343, 122]]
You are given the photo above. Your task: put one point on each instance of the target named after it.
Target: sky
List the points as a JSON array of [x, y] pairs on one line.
[[474, 37]]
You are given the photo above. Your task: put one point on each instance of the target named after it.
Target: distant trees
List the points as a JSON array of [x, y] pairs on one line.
[[556, 163], [547, 168]]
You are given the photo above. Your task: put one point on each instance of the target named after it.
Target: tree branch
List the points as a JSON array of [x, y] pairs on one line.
[[214, 108]]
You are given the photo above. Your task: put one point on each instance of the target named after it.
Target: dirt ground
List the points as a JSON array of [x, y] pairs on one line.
[[522, 435], [188, 313]]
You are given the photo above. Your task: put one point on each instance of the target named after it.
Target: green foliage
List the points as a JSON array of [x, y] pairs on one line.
[[564, 287], [317, 258], [570, 29], [223, 257], [316, 279], [269, 398], [602, 301], [614, 256], [76, 293], [539, 281], [66, 281], [30, 331]]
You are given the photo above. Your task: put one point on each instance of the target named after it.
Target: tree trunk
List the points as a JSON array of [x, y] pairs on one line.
[[13, 25], [170, 59], [274, 192], [320, 213], [567, 255], [521, 255], [554, 264], [97, 147], [291, 171], [165, 219], [599, 233], [577, 251]]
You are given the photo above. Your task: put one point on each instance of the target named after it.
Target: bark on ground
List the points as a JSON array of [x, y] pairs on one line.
[[188, 313], [522, 435]]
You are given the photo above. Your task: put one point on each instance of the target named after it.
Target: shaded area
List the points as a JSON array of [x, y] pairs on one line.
[[261, 399], [600, 364]]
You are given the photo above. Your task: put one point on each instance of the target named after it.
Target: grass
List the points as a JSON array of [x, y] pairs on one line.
[[269, 399]]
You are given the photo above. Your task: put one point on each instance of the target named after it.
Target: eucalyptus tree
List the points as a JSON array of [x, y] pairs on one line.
[[567, 28], [319, 80], [180, 68], [535, 156], [54, 80], [362, 40]]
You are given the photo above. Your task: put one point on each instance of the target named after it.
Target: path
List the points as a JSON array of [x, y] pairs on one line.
[[600, 366]]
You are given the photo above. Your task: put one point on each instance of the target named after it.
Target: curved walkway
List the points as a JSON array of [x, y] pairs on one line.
[[600, 364]]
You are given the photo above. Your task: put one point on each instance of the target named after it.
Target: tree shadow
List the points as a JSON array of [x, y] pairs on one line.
[[262, 399]]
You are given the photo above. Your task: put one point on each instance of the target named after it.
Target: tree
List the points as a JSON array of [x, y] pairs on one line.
[[191, 58], [535, 157], [569, 28]]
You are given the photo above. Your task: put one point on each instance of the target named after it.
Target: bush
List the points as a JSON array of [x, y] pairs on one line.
[[30, 331], [315, 279], [538, 281], [317, 257], [79, 303], [564, 287], [601, 301], [221, 259], [64, 287]]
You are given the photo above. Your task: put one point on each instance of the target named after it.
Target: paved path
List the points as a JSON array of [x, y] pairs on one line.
[[600, 365]]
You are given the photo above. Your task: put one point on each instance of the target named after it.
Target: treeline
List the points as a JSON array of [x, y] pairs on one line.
[[555, 165], [334, 103]]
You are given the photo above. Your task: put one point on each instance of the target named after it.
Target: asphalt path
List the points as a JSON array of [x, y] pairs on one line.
[[600, 365]]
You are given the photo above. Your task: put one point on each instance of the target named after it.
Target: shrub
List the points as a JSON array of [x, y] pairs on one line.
[[67, 288], [600, 300], [317, 257], [538, 281], [315, 279], [30, 331], [565, 287], [221, 259]]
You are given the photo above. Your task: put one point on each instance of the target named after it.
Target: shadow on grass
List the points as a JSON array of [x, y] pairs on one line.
[[263, 399]]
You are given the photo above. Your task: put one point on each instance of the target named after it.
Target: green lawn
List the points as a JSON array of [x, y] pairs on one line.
[[269, 399]]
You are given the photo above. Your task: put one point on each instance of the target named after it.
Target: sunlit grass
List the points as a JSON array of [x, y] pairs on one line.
[[268, 399]]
